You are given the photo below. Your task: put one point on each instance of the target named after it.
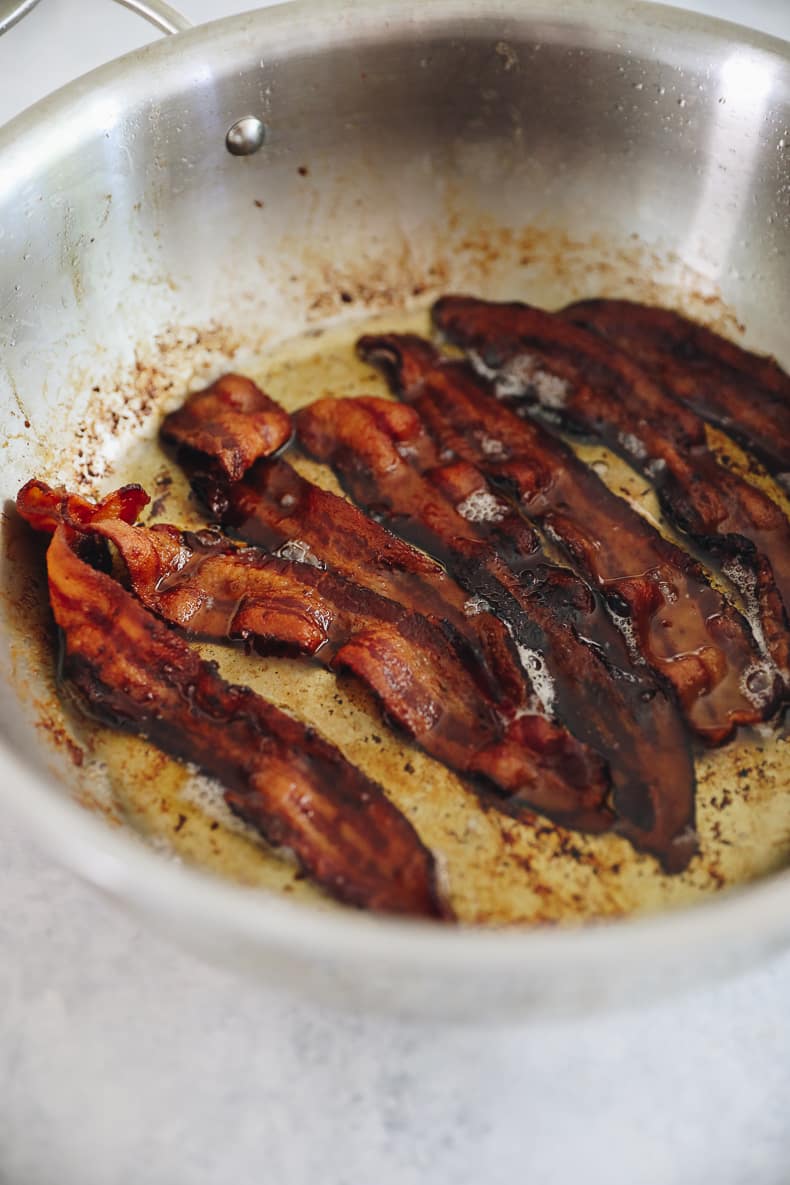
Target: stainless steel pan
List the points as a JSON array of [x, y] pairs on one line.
[[384, 152]]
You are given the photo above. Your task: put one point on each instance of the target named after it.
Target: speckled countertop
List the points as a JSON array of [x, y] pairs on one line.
[[124, 1061]]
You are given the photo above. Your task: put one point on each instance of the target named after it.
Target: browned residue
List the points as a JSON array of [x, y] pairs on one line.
[[52, 726]]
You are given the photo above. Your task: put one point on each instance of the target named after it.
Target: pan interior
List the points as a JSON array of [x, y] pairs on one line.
[[496, 870]]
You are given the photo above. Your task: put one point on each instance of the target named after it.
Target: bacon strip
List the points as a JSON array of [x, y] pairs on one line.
[[232, 421], [684, 629], [732, 519], [275, 508], [591, 386], [372, 445], [746, 394], [211, 588], [132, 672]]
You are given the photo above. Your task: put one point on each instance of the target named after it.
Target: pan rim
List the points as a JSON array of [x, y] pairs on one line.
[[126, 868], [18, 136]]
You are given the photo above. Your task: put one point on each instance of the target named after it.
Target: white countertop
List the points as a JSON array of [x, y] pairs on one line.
[[124, 1061]]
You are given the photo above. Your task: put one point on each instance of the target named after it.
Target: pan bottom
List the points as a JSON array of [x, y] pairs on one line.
[[496, 870]]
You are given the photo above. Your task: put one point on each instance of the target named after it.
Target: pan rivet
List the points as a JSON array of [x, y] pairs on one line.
[[245, 136]]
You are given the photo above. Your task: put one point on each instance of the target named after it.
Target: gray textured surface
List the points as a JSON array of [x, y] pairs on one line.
[[124, 1061]]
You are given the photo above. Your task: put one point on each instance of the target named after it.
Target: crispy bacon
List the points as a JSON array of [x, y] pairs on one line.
[[132, 672], [746, 394], [216, 446], [211, 588], [684, 629], [377, 448], [233, 422], [591, 386]]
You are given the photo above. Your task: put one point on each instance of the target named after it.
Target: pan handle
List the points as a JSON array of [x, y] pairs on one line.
[[161, 15], [244, 137], [12, 11]]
